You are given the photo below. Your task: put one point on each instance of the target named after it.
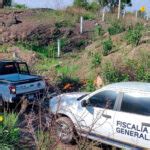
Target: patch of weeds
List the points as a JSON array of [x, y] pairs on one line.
[[9, 132], [3, 49], [96, 59], [88, 16], [94, 7], [139, 71], [116, 28], [134, 34], [45, 64], [98, 30], [81, 43], [111, 74], [66, 70], [64, 42], [64, 23], [90, 85], [107, 46], [47, 51], [20, 6]]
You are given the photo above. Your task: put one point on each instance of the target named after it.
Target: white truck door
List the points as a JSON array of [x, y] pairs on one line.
[[132, 122], [98, 116]]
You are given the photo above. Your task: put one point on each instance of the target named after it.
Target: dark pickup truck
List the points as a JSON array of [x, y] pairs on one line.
[[16, 82]]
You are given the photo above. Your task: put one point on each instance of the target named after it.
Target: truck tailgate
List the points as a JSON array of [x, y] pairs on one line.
[[29, 87]]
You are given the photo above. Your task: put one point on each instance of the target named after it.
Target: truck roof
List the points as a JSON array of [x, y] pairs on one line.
[[130, 86]]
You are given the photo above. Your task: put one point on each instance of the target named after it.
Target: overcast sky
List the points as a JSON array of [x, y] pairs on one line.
[[57, 4]]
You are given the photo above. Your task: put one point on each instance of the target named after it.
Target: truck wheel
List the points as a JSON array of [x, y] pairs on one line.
[[65, 130]]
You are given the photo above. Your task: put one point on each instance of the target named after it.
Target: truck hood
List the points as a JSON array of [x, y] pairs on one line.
[[66, 100], [18, 77], [70, 96]]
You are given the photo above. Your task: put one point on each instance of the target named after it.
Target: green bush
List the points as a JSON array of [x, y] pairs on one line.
[[81, 3], [9, 132], [107, 46], [19, 6], [47, 51], [98, 30], [96, 59], [90, 86], [116, 28], [134, 35], [140, 71], [81, 43], [111, 74], [93, 7], [66, 70], [88, 16]]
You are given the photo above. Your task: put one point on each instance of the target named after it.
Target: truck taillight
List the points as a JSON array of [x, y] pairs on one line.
[[12, 89]]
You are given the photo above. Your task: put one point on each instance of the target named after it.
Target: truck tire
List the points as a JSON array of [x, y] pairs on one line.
[[65, 130]]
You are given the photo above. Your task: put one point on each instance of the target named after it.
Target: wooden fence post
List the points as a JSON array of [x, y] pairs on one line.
[[58, 48], [81, 24], [103, 16], [119, 9]]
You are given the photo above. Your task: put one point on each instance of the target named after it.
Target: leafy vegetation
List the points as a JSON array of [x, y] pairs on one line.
[[90, 85], [19, 6], [9, 132], [134, 34], [107, 46], [96, 59], [47, 51], [111, 74], [116, 28]]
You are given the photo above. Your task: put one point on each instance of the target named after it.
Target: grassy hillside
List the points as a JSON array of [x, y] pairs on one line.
[[115, 50]]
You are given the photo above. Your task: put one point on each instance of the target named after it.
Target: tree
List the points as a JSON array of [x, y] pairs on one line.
[[1, 3], [112, 3], [80, 3]]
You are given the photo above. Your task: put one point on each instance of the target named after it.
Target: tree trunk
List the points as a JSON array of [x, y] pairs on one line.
[[1, 3]]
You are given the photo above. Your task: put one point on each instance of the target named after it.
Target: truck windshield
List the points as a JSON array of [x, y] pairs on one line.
[[8, 68]]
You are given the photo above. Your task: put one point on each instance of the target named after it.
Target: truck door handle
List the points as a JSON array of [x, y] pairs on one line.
[[106, 116], [145, 124]]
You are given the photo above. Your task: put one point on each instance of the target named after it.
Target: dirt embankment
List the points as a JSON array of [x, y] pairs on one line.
[[20, 26]]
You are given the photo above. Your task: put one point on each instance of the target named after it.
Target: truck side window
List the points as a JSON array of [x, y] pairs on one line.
[[23, 69], [136, 104], [104, 99]]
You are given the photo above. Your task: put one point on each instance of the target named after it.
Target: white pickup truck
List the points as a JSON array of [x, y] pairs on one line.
[[16, 82], [117, 114]]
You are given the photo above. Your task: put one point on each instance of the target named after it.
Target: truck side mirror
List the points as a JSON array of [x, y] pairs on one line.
[[84, 103]]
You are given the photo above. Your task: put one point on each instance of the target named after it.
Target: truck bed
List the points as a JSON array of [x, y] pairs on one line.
[[19, 78]]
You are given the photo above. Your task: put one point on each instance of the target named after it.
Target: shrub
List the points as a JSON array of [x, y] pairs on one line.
[[19, 6], [134, 35], [116, 28], [81, 43], [47, 51], [9, 132], [140, 71], [88, 16], [66, 70], [111, 74], [93, 6], [96, 59], [81, 3], [90, 86], [98, 31], [107, 46]]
